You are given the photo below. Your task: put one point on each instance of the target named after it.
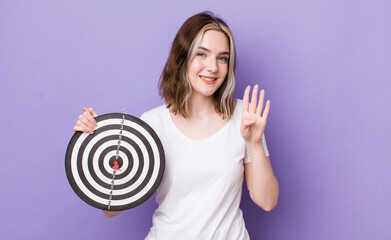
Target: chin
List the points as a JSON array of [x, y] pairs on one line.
[[209, 93]]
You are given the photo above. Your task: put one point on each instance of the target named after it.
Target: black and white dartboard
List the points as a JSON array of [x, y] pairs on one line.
[[139, 163]]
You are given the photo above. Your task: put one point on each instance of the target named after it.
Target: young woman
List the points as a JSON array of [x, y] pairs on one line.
[[210, 140]]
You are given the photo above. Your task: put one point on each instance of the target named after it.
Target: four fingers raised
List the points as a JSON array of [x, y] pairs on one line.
[[255, 106]]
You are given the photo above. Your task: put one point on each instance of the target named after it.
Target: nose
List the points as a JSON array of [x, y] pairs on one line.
[[211, 65]]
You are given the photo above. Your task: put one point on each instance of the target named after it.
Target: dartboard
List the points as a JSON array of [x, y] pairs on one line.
[[117, 167]]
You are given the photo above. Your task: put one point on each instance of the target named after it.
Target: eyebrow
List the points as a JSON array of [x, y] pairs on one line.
[[207, 50]]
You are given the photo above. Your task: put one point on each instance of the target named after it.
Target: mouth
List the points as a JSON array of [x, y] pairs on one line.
[[208, 80]]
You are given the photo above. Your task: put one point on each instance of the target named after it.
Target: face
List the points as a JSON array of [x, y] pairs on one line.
[[209, 67]]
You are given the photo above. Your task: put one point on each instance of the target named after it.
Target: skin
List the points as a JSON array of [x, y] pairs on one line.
[[206, 72], [261, 182]]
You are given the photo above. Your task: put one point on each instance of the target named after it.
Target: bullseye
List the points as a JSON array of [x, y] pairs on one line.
[[116, 163]]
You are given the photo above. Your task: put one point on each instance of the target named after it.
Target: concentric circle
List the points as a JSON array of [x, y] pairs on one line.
[[91, 159]]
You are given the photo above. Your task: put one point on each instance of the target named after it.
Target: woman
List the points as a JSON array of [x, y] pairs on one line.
[[209, 139]]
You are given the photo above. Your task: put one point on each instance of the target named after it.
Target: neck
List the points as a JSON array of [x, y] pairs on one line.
[[201, 105]]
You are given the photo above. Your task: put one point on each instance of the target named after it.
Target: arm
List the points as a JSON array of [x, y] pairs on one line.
[[261, 182]]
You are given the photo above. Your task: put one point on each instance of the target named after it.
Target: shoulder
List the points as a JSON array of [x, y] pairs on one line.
[[155, 117], [153, 113]]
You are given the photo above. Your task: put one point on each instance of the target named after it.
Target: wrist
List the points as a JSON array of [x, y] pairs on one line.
[[254, 146]]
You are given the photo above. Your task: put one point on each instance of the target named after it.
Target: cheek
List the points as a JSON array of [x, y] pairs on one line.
[[224, 70], [195, 66]]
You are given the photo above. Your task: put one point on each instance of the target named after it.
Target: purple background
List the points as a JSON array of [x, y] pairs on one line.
[[325, 65]]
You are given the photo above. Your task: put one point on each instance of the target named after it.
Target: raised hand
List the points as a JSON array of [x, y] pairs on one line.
[[86, 122], [253, 121]]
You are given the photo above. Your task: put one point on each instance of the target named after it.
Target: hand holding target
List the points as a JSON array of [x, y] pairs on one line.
[[86, 121]]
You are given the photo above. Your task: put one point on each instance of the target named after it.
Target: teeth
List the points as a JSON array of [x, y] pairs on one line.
[[207, 78]]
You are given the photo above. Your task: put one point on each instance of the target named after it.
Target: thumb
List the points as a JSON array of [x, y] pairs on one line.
[[248, 122], [90, 110]]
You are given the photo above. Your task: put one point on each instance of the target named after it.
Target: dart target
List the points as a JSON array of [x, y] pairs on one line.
[[117, 167]]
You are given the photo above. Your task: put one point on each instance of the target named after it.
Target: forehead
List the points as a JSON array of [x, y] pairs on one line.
[[215, 41]]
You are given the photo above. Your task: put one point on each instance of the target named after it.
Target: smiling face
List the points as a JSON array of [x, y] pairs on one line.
[[208, 68]]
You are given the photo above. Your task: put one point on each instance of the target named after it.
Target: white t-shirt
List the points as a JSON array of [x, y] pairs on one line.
[[201, 189]]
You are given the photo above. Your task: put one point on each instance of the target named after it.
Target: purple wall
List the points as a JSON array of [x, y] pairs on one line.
[[325, 65]]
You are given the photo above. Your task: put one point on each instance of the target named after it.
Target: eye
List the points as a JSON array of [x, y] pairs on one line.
[[201, 54], [223, 59]]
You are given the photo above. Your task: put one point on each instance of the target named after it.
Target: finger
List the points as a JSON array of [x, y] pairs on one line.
[[267, 108], [253, 105], [245, 99], [90, 110], [78, 129], [91, 121], [84, 120], [260, 104], [81, 126]]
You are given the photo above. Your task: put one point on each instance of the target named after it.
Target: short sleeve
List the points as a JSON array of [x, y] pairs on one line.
[[144, 117], [247, 156], [152, 119]]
